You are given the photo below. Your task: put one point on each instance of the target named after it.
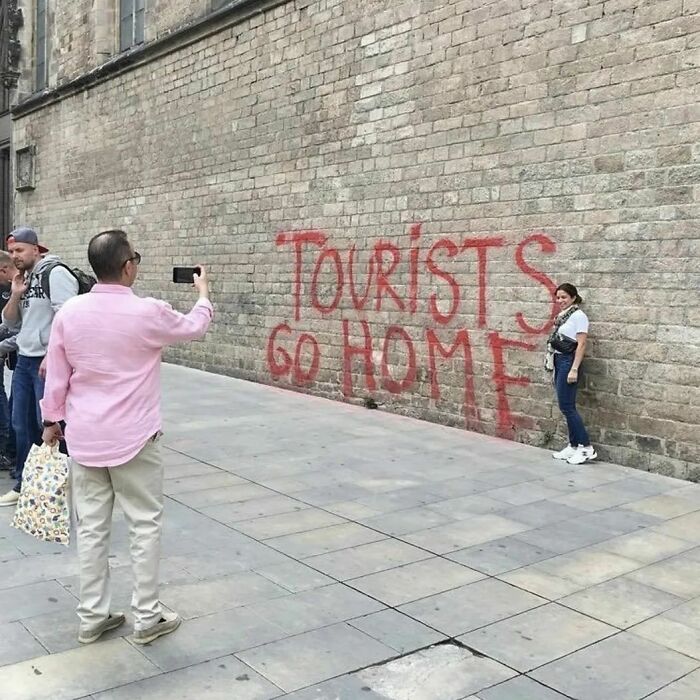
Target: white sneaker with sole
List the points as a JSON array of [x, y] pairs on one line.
[[169, 622], [582, 454], [567, 452], [9, 499], [88, 636]]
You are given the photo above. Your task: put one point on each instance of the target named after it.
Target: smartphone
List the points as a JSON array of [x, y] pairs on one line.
[[185, 275]]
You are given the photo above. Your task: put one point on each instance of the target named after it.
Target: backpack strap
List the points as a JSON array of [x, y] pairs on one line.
[[46, 274]]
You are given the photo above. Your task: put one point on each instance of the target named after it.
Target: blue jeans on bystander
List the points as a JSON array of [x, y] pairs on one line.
[[566, 395], [27, 391], [7, 434]]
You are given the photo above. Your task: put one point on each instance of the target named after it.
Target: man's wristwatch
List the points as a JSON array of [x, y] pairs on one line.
[[48, 423]]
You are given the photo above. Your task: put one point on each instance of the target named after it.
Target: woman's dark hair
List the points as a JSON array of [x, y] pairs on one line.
[[571, 291], [107, 253]]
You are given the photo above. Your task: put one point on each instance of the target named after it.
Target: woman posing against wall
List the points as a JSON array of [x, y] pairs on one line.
[[565, 350]]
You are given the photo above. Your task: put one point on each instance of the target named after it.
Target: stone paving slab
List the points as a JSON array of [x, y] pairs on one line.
[[72, 674], [536, 637], [448, 673], [17, 643], [520, 688], [623, 667], [305, 659], [222, 679], [622, 602], [323, 540], [684, 689], [398, 631]]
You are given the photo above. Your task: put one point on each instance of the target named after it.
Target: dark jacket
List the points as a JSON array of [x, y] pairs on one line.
[[8, 338]]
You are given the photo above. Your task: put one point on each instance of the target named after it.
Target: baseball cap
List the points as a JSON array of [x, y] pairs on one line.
[[24, 234]]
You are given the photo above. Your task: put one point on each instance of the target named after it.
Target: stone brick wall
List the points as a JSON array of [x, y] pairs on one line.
[[85, 33], [464, 159]]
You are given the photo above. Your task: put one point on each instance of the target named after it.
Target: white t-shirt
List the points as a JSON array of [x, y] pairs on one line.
[[576, 323]]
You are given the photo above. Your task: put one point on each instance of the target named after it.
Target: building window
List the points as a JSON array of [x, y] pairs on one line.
[[41, 45], [132, 15]]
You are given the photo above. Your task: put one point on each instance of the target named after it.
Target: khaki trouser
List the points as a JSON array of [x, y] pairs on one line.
[[138, 485]]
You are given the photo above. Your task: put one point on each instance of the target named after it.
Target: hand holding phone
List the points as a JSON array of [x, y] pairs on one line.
[[196, 276], [185, 275]]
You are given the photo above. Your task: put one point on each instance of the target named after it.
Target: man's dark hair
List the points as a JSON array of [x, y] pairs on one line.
[[107, 253]]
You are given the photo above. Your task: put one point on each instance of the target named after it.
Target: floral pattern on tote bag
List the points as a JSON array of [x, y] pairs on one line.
[[43, 508]]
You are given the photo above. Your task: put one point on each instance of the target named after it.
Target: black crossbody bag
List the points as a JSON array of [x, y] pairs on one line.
[[560, 342]]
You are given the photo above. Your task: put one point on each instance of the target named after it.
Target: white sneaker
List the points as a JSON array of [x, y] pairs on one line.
[[582, 454], [88, 636], [9, 499], [567, 452], [169, 622]]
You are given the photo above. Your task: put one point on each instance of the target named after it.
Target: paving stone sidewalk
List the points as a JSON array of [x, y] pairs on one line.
[[312, 546]]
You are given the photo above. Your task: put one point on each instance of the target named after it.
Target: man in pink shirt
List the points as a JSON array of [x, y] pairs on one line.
[[103, 379]]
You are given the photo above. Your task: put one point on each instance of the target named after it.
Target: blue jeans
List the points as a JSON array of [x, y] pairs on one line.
[[566, 395], [27, 390]]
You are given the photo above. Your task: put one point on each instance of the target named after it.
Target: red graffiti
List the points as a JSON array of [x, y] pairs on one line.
[[298, 239], [546, 246], [280, 361], [414, 264], [384, 287], [365, 352], [334, 255], [388, 382], [482, 245], [359, 304], [451, 250], [400, 357], [501, 380], [278, 368], [303, 377], [471, 412]]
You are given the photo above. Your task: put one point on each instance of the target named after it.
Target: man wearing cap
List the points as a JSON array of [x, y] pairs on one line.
[[30, 312]]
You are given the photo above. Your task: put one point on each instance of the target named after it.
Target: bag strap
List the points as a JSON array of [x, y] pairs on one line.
[[558, 323], [561, 320], [46, 274]]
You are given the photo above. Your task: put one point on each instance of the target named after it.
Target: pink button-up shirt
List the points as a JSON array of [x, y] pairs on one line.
[[103, 370]]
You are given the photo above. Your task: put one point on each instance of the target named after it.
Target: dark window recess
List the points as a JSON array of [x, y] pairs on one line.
[[132, 21], [5, 193], [41, 45]]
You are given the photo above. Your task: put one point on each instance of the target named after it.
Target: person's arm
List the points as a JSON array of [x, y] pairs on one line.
[[58, 374], [10, 314], [171, 326], [8, 345], [62, 286], [572, 377]]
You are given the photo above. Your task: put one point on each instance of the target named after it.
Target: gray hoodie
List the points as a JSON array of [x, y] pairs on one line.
[[36, 311]]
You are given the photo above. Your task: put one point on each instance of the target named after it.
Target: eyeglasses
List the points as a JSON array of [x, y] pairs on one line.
[[136, 257]]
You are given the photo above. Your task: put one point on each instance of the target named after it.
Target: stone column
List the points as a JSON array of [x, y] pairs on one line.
[[106, 30]]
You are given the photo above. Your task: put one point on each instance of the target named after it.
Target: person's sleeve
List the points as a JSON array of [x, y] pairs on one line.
[[8, 345], [63, 286], [171, 326], [58, 374], [581, 323], [12, 326]]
